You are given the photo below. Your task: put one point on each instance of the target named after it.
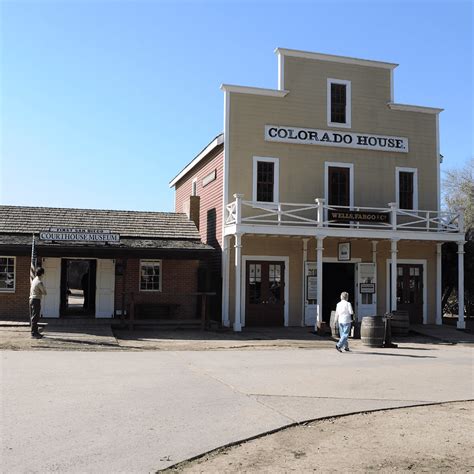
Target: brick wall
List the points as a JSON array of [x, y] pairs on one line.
[[14, 306], [179, 281]]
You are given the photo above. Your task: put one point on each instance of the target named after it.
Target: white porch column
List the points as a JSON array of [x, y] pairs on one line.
[[319, 272], [439, 296], [461, 323], [303, 299], [225, 282], [394, 251], [238, 279], [374, 251]]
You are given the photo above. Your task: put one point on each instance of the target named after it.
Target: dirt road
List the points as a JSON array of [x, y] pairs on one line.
[[435, 438]]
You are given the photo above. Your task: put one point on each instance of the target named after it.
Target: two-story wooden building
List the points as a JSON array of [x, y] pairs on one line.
[[323, 185]]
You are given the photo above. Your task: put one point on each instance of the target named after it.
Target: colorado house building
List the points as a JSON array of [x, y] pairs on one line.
[[322, 185]]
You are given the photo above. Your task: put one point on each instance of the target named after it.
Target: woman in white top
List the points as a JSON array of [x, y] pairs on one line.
[[344, 314]]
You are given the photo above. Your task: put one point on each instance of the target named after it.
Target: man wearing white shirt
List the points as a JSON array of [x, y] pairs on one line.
[[37, 291], [344, 314]]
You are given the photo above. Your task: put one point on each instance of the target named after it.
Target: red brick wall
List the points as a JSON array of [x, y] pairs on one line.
[[179, 281], [15, 305]]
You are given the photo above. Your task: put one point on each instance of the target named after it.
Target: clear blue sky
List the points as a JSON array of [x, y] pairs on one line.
[[103, 102]]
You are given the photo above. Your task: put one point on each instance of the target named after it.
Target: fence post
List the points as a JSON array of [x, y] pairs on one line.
[[393, 214], [320, 211], [238, 208]]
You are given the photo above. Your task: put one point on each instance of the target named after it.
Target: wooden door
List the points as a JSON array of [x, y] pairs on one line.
[[410, 291], [265, 293]]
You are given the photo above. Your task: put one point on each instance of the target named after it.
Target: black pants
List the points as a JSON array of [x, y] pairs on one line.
[[35, 311]]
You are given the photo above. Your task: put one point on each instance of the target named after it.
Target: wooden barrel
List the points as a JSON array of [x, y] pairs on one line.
[[400, 323], [332, 324], [372, 331]]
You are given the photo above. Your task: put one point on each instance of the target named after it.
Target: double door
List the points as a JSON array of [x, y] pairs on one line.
[[410, 291], [265, 283]]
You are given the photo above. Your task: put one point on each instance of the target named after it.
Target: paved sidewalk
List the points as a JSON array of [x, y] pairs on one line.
[[444, 333], [139, 411]]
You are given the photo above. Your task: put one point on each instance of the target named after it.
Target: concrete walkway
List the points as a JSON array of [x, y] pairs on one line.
[[137, 412]]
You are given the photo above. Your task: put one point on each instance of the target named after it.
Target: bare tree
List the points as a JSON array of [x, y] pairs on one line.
[[458, 192]]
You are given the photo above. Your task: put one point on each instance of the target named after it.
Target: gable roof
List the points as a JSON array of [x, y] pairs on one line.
[[155, 225], [214, 143]]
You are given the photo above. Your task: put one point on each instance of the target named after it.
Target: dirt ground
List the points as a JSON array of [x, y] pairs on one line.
[[436, 438]]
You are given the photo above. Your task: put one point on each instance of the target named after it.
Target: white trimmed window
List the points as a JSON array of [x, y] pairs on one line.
[[150, 275], [406, 188], [339, 103], [7, 274], [266, 175], [194, 187]]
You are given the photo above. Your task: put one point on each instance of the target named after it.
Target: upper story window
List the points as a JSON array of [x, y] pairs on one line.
[[265, 179], [150, 275], [7, 274], [407, 188], [339, 189], [339, 103]]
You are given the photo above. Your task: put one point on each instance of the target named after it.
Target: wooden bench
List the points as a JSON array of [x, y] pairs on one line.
[[156, 310]]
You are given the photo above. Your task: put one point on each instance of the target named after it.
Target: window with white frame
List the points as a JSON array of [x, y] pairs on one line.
[[150, 275], [407, 188], [194, 187], [7, 274], [265, 179], [339, 103]]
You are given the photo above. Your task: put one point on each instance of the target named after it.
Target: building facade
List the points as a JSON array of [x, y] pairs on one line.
[[323, 185], [100, 264]]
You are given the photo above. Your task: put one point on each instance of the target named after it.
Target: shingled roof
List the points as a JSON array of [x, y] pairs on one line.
[[139, 224]]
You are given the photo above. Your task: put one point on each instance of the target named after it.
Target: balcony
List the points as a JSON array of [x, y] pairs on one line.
[[318, 217]]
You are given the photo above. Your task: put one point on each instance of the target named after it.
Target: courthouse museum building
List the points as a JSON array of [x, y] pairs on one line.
[[99, 262], [322, 185]]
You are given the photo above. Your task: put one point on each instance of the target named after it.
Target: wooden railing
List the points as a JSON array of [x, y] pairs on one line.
[[318, 214]]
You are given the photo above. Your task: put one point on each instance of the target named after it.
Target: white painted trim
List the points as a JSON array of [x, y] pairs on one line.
[[333, 58], [215, 143], [425, 279], [281, 72], [335, 260], [336, 164], [392, 92], [194, 187], [439, 292], [309, 231], [403, 169], [11, 290], [254, 90], [303, 279], [276, 178], [266, 258], [347, 123], [438, 166], [414, 108], [152, 260]]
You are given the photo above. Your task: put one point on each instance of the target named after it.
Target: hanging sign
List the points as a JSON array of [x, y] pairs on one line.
[[313, 136], [358, 216], [78, 235], [367, 288]]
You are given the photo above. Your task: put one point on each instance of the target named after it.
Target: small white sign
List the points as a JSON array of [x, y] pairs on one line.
[[313, 136]]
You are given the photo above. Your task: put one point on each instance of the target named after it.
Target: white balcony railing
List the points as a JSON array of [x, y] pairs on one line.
[[319, 215]]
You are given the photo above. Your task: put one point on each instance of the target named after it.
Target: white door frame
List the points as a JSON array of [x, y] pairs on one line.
[[266, 258], [425, 289]]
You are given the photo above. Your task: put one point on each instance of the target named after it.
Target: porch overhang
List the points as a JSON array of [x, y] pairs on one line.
[[341, 232]]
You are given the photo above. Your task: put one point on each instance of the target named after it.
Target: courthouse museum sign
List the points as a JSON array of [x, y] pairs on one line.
[[312, 136], [78, 235]]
